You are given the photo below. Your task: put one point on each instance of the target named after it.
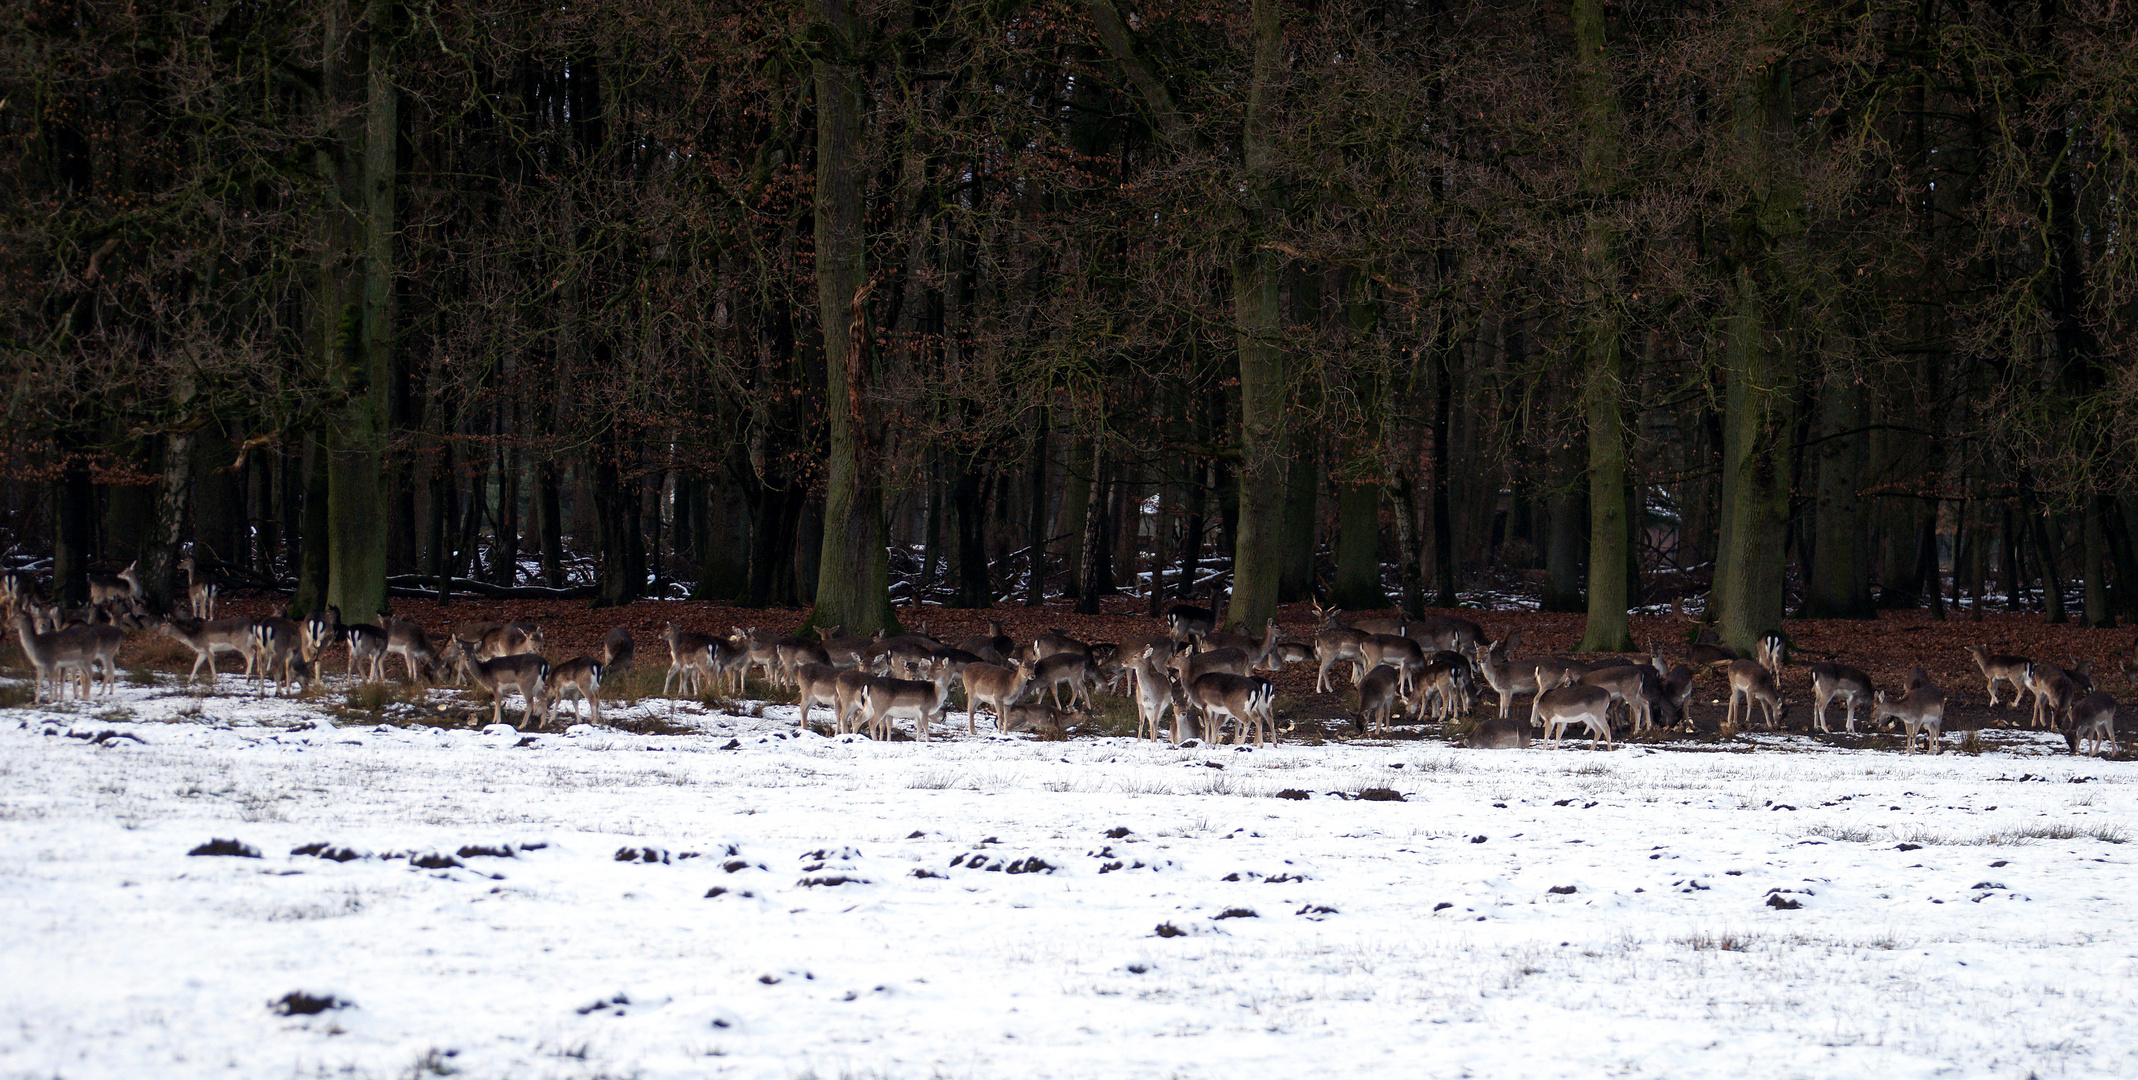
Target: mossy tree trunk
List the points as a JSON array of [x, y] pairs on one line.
[[1610, 532]]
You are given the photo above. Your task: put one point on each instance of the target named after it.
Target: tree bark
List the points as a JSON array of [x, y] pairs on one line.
[[1358, 553], [1759, 361], [976, 588], [1839, 584], [853, 571], [1603, 393]]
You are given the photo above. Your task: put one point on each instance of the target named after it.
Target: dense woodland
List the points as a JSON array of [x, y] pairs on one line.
[[1791, 309]]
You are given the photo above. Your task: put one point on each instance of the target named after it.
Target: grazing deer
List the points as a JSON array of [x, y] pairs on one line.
[[1707, 651], [526, 673], [1154, 694], [686, 656], [1334, 645], [367, 646], [1829, 681], [1242, 642], [2053, 692], [511, 639], [1504, 676], [1497, 735], [884, 699], [1920, 710], [1188, 667], [408, 641], [1664, 698], [815, 684], [1752, 683], [582, 676], [1287, 652], [1918, 678], [1997, 668], [1243, 699], [1553, 670], [207, 637], [1056, 643], [1074, 669], [1380, 694], [53, 655], [845, 652], [278, 648], [995, 686], [1565, 704], [105, 588], [2093, 721]]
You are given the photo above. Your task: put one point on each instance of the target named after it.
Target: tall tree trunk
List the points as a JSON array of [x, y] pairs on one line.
[[357, 84], [1603, 393], [1035, 586], [1302, 493], [1090, 568], [1565, 513], [73, 529], [311, 594], [1076, 504], [1403, 498], [853, 572], [1759, 358]]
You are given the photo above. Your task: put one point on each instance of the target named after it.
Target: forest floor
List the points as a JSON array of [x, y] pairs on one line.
[[376, 882]]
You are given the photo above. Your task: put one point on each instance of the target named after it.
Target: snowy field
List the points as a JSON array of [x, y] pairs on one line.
[[747, 902]]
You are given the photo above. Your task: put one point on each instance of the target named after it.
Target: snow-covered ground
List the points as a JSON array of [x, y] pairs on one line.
[[754, 903]]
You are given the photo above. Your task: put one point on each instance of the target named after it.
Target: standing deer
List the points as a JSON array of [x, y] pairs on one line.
[[1752, 683], [995, 686], [52, 655], [1504, 676], [883, 699], [1154, 694], [408, 641], [1920, 710], [1566, 704], [2053, 692], [1829, 681], [582, 676], [1997, 668], [207, 637], [526, 673], [1241, 698], [124, 585]]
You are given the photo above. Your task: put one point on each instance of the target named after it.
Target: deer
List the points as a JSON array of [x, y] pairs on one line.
[[617, 649], [815, 684], [1396, 651], [1380, 694], [1624, 683], [1920, 710], [53, 655], [1448, 683], [1571, 703], [1829, 681], [1046, 721], [526, 673], [1445, 632], [511, 639], [278, 647], [1751, 682], [793, 652], [731, 661], [319, 629], [1054, 643], [686, 656], [992, 647], [996, 686], [1188, 667], [846, 688], [1497, 735], [408, 641], [126, 584], [883, 699], [1184, 621], [1504, 676], [367, 646], [1287, 652], [1997, 668], [207, 637], [2093, 721], [1334, 645], [1772, 652], [2053, 692], [1242, 642], [844, 652], [904, 657], [1153, 690], [582, 676], [1075, 669], [201, 590], [102, 644], [763, 653], [1239, 697]]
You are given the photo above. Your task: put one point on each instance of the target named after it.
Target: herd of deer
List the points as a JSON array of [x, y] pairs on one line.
[[1207, 680]]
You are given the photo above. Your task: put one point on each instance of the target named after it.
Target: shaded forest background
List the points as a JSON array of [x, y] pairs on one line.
[[1790, 308]]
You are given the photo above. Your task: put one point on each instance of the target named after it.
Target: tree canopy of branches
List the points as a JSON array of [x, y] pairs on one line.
[[1799, 308]]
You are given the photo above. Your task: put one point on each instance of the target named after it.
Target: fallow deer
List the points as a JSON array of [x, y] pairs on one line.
[[1566, 704], [1829, 681], [1997, 668], [582, 676], [1920, 710], [995, 686], [1752, 683], [2093, 722]]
